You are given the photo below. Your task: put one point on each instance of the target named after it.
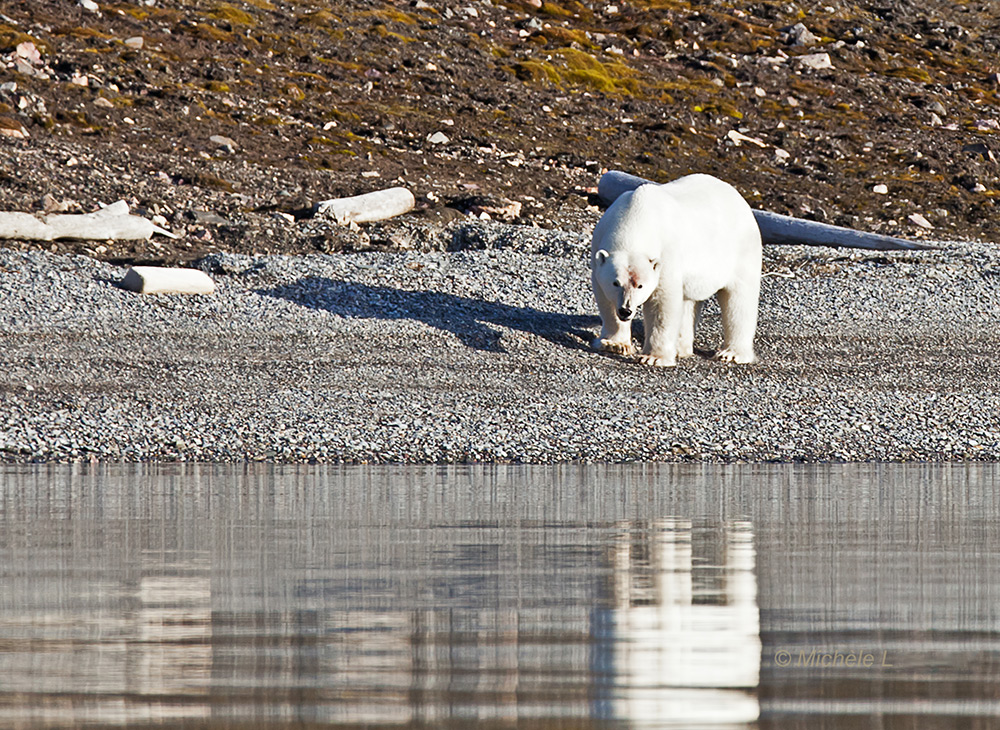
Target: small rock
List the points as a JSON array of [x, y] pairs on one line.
[[104, 103], [815, 61], [936, 107], [79, 79], [919, 220], [222, 142], [90, 5], [881, 189], [799, 35], [12, 128], [980, 149], [28, 52], [438, 138], [504, 210], [208, 218], [738, 138], [49, 204], [135, 42]]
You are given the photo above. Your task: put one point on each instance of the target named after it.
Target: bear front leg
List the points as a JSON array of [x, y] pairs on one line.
[[663, 314], [616, 336]]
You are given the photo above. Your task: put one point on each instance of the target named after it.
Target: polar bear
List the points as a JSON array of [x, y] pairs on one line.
[[668, 248]]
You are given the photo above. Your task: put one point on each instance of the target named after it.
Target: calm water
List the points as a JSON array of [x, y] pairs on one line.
[[566, 597]]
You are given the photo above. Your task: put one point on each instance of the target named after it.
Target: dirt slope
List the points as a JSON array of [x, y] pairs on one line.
[[223, 116]]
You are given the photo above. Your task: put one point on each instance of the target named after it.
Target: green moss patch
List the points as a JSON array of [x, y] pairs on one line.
[[232, 15]]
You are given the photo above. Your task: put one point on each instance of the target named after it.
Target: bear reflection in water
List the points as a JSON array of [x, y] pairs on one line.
[[680, 645]]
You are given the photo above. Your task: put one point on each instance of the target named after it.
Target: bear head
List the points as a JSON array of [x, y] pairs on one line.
[[626, 279]]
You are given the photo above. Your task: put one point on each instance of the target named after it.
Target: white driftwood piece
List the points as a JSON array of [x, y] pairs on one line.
[[163, 280], [367, 208], [110, 222], [775, 228]]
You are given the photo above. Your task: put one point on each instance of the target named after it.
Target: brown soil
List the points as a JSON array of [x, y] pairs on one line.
[[336, 98]]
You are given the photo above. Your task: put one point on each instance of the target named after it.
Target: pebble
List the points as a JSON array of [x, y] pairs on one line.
[[480, 354]]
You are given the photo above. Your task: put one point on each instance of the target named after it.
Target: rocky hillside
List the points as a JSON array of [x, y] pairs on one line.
[[230, 119]]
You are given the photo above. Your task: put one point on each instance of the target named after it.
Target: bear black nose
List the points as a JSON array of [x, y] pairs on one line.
[[624, 314]]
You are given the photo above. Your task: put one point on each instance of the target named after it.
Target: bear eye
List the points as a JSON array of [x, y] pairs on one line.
[[638, 286], [617, 283]]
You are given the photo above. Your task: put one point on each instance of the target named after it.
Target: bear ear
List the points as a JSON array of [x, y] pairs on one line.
[[601, 256], [655, 263]]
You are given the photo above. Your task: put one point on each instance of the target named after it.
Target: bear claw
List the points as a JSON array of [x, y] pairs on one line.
[[658, 362], [618, 348], [728, 355]]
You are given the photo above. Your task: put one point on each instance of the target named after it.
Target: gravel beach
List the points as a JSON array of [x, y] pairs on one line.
[[482, 355]]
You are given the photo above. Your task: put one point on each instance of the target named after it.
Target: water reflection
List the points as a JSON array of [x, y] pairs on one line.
[[583, 597], [680, 642]]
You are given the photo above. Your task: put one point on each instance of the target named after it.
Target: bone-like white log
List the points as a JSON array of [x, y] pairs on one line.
[[775, 228], [110, 222], [367, 208], [164, 280]]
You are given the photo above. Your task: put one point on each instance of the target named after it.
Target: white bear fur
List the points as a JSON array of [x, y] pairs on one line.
[[668, 248]]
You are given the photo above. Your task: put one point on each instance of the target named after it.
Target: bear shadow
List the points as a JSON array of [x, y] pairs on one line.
[[476, 323]]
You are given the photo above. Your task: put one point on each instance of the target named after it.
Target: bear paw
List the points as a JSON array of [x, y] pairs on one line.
[[740, 358], [618, 348], [658, 362]]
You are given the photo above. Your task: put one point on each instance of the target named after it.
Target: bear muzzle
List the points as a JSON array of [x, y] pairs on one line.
[[625, 314]]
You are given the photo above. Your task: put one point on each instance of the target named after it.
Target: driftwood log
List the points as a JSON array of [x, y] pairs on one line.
[[368, 208], [110, 222], [775, 228], [164, 280]]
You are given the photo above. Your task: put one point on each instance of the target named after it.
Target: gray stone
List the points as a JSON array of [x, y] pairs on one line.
[[799, 35]]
